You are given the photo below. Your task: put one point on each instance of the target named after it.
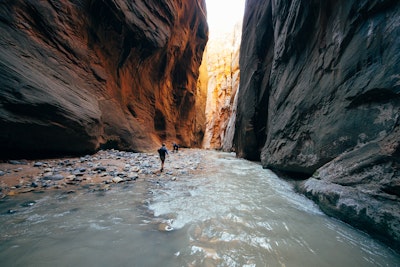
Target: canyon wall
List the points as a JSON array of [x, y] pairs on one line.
[[80, 75], [222, 67], [319, 99]]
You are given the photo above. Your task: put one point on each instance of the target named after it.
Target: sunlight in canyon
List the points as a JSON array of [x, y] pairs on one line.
[[222, 15], [221, 58]]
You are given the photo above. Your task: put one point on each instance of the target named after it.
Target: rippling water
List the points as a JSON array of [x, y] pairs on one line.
[[232, 214]]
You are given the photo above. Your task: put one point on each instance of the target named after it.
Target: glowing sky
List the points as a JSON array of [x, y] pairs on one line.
[[223, 14]]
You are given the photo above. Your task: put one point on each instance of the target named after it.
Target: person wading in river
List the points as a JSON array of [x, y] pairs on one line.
[[162, 151], [175, 146]]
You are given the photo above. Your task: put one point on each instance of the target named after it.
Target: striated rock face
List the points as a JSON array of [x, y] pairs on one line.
[[222, 58], [76, 76], [320, 95]]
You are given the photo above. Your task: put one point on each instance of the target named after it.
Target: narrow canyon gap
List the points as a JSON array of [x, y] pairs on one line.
[[220, 72]]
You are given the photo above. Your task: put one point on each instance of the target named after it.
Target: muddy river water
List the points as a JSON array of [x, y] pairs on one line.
[[232, 213]]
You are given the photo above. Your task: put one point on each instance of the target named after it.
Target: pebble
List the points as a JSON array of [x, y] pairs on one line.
[[77, 179], [70, 177], [135, 169], [100, 169], [133, 176], [127, 167], [77, 173], [54, 177], [38, 164], [117, 180], [103, 170]]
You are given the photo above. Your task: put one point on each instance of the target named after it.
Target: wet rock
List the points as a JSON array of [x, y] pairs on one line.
[[79, 172], [133, 176], [34, 184], [38, 164], [122, 174], [17, 162], [78, 179], [28, 203], [165, 227], [127, 167], [100, 169], [393, 187], [54, 177], [84, 159], [26, 190], [68, 163]]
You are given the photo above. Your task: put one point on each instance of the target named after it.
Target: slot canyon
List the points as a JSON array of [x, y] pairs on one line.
[[309, 88]]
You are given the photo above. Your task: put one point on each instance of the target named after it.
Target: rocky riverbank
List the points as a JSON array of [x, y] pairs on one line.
[[99, 171]]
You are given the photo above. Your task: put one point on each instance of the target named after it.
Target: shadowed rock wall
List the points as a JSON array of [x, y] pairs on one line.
[[319, 96], [76, 76]]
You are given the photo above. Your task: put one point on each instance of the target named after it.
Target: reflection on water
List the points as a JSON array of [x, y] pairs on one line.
[[234, 214]]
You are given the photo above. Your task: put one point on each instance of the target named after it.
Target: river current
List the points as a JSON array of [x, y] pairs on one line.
[[232, 213]]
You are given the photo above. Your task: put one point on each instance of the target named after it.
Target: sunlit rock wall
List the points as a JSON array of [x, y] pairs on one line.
[[222, 58], [76, 76], [319, 95]]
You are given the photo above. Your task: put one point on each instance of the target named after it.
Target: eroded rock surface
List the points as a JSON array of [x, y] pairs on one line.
[[222, 58], [76, 76], [319, 90]]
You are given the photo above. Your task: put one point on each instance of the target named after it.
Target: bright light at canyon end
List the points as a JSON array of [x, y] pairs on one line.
[[222, 15]]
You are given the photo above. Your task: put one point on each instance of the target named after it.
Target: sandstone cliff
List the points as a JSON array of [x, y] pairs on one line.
[[319, 96], [76, 76], [222, 58]]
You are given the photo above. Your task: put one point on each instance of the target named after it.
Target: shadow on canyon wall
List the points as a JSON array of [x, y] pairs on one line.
[[76, 76], [319, 97]]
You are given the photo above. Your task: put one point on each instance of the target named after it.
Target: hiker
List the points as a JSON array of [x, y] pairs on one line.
[[175, 146], [162, 151]]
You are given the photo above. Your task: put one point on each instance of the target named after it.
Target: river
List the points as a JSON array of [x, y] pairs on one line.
[[232, 213]]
